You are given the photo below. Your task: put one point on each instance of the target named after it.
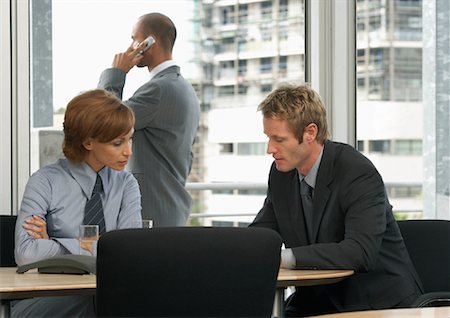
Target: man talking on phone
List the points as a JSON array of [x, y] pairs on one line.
[[167, 115]]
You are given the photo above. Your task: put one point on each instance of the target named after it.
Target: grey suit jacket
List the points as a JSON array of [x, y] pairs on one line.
[[167, 117], [353, 228]]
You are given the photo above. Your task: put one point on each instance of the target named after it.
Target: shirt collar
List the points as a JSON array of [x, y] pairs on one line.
[[161, 67], [86, 177], [311, 177]]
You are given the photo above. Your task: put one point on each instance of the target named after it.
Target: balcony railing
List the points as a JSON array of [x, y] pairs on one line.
[[227, 186]]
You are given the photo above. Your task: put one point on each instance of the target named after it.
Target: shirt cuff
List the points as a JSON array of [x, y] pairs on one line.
[[287, 259]]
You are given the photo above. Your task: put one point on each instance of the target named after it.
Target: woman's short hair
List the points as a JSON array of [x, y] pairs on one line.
[[300, 105], [96, 114]]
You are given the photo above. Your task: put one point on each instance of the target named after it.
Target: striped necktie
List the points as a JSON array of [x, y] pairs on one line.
[[306, 192], [93, 212]]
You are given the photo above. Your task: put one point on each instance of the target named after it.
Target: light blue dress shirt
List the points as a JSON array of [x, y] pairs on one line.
[[58, 194]]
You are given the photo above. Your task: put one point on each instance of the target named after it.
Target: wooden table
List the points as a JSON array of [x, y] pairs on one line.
[[289, 277], [425, 312], [34, 284]]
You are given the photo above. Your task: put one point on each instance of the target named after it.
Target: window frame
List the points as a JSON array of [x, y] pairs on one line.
[[18, 98], [5, 110], [330, 62]]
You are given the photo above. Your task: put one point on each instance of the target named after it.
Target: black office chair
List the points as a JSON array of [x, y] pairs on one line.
[[187, 272], [7, 225], [428, 245], [7, 229]]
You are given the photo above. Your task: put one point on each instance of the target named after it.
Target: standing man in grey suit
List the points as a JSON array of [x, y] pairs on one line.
[[329, 204], [167, 117]]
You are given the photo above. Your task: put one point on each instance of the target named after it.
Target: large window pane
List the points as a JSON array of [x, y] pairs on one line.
[[403, 95], [267, 47], [72, 41], [233, 53]]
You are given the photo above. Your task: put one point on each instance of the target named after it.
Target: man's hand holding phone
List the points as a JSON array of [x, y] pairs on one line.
[[147, 43], [133, 55]]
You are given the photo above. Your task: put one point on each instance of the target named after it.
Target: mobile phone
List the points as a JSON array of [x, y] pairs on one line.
[[149, 41]]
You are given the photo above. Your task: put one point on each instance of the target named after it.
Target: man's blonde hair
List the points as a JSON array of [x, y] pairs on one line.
[[300, 105]]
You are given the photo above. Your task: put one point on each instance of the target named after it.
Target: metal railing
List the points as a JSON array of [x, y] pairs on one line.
[[227, 186], [224, 186]]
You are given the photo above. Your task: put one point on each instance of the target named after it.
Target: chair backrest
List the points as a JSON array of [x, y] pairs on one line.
[[428, 245], [7, 228], [187, 272]]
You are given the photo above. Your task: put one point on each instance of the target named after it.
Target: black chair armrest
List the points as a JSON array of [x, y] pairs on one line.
[[435, 299]]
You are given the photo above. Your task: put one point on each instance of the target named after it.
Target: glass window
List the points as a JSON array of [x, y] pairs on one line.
[[266, 88], [227, 15], [243, 13], [222, 223], [266, 10], [284, 9], [242, 67], [360, 145], [403, 100], [404, 191], [226, 148], [282, 63], [226, 69], [382, 146], [226, 44], [252, 192], [242, 89], [227, 90], [266, 32], [265, 65], [251, 148], [57, 37], [408, 147], [402, 80], [374, 22], [283, 33], [222, 50]]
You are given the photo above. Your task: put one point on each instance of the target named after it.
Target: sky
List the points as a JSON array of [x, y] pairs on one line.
[[88, 33]]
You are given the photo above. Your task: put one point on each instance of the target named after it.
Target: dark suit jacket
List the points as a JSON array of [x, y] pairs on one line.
[[353, 228]]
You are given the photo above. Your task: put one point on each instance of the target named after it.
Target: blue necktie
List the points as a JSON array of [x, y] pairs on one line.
[[306, 192], [93, 212]]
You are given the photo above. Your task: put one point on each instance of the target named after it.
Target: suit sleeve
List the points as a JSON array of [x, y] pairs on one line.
[[266, 216], [113, 80], [145, 102]]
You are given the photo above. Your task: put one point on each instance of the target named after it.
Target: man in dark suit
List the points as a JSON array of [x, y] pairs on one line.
[[329, 204]]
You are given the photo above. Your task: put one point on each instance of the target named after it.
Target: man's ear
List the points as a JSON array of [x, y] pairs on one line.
[[88, 144], [311, 132]]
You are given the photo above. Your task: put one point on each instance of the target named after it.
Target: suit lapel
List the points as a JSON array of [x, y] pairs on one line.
[[322, 191]]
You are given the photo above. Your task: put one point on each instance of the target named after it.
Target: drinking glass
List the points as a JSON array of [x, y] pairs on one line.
[[145, 224], [88, 239]]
